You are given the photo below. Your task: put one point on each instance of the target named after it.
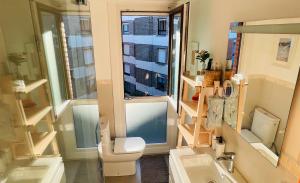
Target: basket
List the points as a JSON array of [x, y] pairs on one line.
[[211, 76], [228, 74]]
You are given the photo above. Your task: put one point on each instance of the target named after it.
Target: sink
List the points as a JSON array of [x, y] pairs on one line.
[[202, 168], [27, 174]]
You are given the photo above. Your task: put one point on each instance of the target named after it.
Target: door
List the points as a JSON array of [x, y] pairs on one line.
[[152, 45], [50, 33], [68, 49], [175, 53]]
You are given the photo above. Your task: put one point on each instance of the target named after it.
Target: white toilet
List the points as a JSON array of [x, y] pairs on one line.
[[263, 128], [119, 156]]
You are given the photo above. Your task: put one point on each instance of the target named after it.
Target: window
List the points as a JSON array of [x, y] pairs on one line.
[[54, 59], [162, 55], [149, 58], [80, 55], [88, 56], [161, 82], [126, 49], [85, 24], [127, 69], [125, 27], [175, 55], [147, 120], [162, 26]]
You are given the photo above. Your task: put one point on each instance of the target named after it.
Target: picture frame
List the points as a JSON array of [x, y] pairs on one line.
[[284, 49]]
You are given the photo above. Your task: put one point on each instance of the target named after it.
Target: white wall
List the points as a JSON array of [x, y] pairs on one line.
[[258, 57], [209, 25]]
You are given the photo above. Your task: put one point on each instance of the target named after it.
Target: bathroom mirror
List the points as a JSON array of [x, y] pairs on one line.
[[270, 64], [20, 57]]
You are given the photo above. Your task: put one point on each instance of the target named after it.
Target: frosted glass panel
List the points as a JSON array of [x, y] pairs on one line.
[[86, 118], [147, 120]]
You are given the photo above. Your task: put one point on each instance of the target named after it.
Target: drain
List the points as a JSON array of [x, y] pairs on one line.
[[212, 181]]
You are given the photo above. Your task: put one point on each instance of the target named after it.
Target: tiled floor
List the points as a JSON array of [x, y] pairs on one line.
[[88, 171], [83, 171]]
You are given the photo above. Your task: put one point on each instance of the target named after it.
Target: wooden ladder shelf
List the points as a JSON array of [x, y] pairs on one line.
[[35, 143], [194, 133]]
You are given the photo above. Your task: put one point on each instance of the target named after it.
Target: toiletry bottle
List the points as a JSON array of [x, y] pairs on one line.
[[220, 147], [214, 142]]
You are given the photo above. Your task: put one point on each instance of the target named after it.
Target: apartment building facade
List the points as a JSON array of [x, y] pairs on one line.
[[145, 55], [80, 54]]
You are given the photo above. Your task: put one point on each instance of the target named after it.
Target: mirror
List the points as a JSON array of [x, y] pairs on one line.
[[270, 64], [20, 57]]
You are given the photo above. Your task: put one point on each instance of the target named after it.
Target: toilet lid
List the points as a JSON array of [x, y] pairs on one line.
[[129, 145], [249, 136]]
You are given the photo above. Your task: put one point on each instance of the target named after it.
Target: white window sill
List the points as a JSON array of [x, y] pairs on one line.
[[61, 109], [173, 103]]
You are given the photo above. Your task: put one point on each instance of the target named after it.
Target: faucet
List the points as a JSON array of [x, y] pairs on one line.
[[228, 156]]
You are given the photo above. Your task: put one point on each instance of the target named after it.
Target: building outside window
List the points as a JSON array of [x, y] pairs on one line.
[[161, 82], [149, 61], [127, 69], [80, 55], [162, 55], [125, 27], [162, 26], [126, 49]]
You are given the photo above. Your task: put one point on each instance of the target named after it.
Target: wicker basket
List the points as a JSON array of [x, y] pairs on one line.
[[228, 74], [211, 76]]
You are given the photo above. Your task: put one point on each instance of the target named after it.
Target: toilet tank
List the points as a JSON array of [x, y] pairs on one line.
[[265, 126]]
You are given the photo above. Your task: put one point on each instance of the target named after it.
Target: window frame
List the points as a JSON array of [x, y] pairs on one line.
[[39, 27], [160, 31], [172, 13], [134, 47]]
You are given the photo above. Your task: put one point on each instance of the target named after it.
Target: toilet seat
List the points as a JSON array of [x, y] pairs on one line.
[[249, 136], [129, 145]]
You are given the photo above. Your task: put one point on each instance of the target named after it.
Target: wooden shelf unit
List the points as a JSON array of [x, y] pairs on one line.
[[191, 81], [34, 144], [40, 142], [188, 130], [33, 86], [194, 134], [34, 115]]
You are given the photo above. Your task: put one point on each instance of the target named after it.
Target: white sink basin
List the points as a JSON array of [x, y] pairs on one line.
[[202, 168], [27, 174]]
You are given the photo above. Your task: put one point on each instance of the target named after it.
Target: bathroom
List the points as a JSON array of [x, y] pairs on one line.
[[84, 79]]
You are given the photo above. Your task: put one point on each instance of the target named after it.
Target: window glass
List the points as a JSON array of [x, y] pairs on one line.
[[126, 49], [147, 120], [162, 55], [125, 27], [86, 120], [80, 54], [175, 56], [148, 64], [162, 26], [161, 82], [127, 69], [54, 58]]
